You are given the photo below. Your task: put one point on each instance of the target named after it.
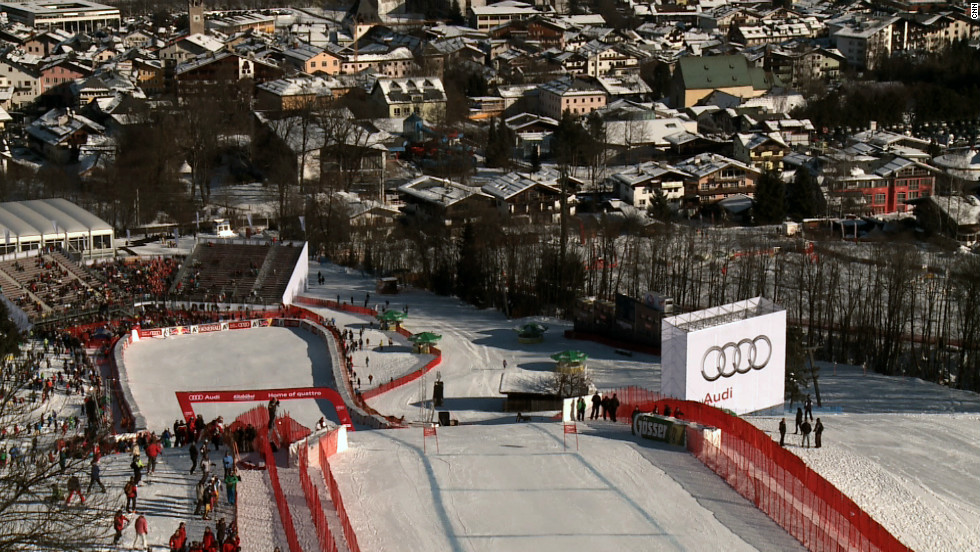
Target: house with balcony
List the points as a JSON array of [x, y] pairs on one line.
[[715, 177], [638, 185], [424, 96], [440, 199], [763, 151], [536, 195]]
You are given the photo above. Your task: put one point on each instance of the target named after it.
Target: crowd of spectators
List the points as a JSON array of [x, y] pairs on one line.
[[148, 278]]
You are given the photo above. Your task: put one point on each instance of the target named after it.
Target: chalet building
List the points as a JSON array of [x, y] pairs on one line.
[[487, 17], [799, 64], [292, 93], [60, 134], [310, 59], [535, 195], [639, 184], [224, 67], [954, 216], [716, 177], [440, 199], [423, 96], [888, 187], [763, 151]]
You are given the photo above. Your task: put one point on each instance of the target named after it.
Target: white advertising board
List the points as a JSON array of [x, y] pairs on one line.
[[739, 365]]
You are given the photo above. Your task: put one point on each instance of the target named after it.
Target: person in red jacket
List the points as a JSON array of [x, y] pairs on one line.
[[152, 452], [142, 528], [119, 523], [231, 544], [208, 543]]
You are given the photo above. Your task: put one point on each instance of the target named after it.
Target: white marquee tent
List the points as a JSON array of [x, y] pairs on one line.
[[38, 223]]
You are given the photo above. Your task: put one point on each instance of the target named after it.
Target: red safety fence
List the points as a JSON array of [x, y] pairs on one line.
[[777, 481], [323, 534], [327, 448], [317, 302], [407, 378], [284, 515], [285, 432]]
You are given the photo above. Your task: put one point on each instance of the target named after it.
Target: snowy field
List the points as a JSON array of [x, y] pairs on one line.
[[905, 450], [514, 487], [895, 445], [259, 358]]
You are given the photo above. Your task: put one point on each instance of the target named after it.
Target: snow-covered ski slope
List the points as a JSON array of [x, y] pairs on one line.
[[907, 451]]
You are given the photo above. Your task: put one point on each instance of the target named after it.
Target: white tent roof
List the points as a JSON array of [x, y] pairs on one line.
[[37, 218]]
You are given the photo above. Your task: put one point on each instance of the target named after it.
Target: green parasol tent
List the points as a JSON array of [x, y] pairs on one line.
[[392, 316], [570, 362], [424, 340], [570, 357], [427, 338]]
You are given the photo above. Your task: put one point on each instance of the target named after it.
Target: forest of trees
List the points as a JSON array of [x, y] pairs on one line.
[[906, 90], [872, 303]]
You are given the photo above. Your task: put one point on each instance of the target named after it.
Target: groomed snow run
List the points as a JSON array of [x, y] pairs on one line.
[[515, 487]]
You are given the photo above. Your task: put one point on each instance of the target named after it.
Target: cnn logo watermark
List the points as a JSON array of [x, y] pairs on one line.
[[975, 10]]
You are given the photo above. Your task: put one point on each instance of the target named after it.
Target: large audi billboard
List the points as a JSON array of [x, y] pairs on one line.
[[731, 357]]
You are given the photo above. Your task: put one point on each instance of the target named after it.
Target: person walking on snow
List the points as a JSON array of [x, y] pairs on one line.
[[130, 490], [782, 432], [613, 407], [581, 409], [808, 409], [95, 477], [817, 432], [152, 451], [596, 402], [193, 451], [228, 462], [799, 419], [231, 486], [805, 428], [142, 528], [118, 524], [74, 486]]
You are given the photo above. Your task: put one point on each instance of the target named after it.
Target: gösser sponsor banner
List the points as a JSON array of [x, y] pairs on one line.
[[658, 429]]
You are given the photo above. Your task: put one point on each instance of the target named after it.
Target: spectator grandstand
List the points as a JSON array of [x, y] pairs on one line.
[[240, 273]]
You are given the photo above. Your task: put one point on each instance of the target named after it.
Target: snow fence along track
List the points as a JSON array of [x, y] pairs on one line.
[[258, 519]]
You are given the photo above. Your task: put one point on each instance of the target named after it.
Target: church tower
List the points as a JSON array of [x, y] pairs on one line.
[[195, 16]]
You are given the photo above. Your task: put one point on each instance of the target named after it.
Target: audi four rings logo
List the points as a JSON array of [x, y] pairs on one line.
[[724, 361]]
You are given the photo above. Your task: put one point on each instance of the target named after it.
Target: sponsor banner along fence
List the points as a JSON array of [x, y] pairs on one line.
[[777, 481], [187, 399]]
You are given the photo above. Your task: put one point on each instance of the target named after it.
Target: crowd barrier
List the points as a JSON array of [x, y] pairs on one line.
[[284, 515], [128, 423], [317, 302], [407, 378], [323, 533], [778, 482], [326, 447]]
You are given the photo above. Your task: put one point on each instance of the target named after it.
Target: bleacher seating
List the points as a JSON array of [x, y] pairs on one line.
[[236, 273]]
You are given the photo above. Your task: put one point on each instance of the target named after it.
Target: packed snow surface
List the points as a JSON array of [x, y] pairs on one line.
[[905, 450], [257, 358]]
